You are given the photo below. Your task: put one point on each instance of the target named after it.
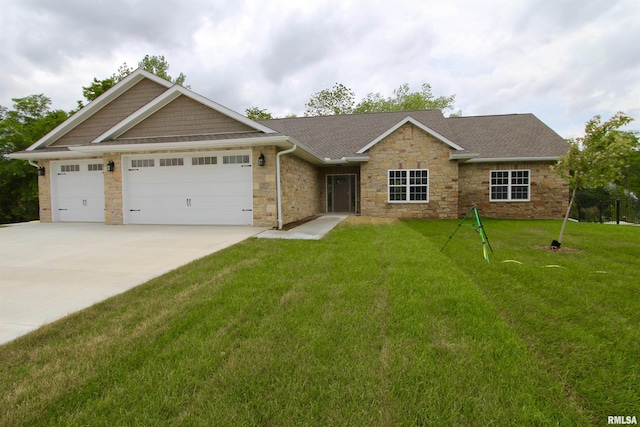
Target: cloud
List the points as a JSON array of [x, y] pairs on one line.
[[563, 61]]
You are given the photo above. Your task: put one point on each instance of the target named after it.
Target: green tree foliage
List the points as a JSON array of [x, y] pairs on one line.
[[153, 64], [255, 113], [334, 101], [599, 158], [341, 100], [405, 100], [29, 120], [160, 67]]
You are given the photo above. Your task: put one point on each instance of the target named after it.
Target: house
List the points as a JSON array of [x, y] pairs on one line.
[[151, 152]]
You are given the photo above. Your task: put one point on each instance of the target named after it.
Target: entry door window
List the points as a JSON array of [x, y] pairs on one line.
[[341, 193]]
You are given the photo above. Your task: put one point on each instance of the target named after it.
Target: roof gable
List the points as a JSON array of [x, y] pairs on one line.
[[94, 108], [125, 128], [416, 123]]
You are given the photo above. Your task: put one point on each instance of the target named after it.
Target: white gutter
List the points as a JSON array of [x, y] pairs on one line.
[[513, 159], [281, 153]]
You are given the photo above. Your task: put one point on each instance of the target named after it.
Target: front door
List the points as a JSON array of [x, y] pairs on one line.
[[341, 193]]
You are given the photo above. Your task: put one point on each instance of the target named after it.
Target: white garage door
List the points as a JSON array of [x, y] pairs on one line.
[[77, 191], [188, 188]]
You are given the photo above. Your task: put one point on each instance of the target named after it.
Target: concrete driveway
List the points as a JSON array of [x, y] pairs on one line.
[[50, 270]]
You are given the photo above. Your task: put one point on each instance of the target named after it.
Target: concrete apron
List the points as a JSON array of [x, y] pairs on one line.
[[48, 271]]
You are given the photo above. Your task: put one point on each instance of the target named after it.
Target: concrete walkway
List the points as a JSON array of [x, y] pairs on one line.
[[312, 230], [48, 271]]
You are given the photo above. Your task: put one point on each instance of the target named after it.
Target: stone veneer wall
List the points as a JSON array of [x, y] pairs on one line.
[[265, 208], [300, 189], [548, 199], [113, 190], [44, 192], [410, 147]]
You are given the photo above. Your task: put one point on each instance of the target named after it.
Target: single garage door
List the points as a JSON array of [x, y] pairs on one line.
[[77, 191], [188, 188]]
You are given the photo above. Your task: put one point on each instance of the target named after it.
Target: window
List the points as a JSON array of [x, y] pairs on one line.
[[94, 167], [69, 168], [177, 161], [142, 163], [409, 186], [196, 161], [510, 185], [238, 160]]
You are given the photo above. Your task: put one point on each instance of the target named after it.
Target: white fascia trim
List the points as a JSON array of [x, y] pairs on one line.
[[185, 145], [463, 156], [344, 160], [95, 105], [514, 159], [164, 99], [414, 122], [46, 155]]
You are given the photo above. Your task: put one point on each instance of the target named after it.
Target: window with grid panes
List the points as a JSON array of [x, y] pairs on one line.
[[408, 185], [510, 185]]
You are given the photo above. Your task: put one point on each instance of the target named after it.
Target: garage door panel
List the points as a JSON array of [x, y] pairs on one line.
[[77, 191], [189, 194]]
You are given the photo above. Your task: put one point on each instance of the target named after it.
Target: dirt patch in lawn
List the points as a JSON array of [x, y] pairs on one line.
[[560, 249]]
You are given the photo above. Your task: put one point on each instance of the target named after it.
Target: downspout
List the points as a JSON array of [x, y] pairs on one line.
[[35, 165], [282, 153]]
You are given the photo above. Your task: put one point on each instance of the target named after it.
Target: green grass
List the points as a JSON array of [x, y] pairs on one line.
[[370, 326]]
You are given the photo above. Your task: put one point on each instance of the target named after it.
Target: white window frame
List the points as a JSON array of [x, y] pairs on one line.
[[511, 184], [408, 185]]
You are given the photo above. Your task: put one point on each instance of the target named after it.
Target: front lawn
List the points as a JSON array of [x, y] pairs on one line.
[[370, 326]]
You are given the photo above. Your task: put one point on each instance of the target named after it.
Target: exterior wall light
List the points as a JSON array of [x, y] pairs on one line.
[[261, 160], [111, 166], [41, 171]]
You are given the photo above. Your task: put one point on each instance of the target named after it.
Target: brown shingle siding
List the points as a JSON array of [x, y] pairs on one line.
[[184, 116], [111, 114]]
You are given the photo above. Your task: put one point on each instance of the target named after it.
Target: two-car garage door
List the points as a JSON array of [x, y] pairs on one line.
[[188, 188]]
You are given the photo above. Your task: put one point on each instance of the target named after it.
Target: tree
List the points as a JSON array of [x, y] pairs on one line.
[[160, 67], [405, 100], [255, 113], [631, 180], [327, 102], [29, 120], [596, 159], [340, 100], [153, 64]]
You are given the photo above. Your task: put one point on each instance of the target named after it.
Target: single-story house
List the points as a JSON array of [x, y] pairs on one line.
[[151, 152]]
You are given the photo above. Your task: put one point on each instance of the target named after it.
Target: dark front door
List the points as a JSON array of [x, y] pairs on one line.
[[341, 193]]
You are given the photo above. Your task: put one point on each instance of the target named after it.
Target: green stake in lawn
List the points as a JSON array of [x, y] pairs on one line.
[[477, 225]]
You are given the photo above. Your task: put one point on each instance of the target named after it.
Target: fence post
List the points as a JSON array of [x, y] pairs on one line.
[[618, 211], [600, 211]]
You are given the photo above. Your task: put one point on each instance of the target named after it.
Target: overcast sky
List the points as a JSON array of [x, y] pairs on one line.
[[562, 60]]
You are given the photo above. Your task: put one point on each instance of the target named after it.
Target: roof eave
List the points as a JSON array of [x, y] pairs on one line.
[[105, 147], [513, 159]]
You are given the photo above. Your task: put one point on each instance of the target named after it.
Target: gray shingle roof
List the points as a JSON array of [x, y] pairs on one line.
[[507, 136], [492, 137], [342, 136]]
